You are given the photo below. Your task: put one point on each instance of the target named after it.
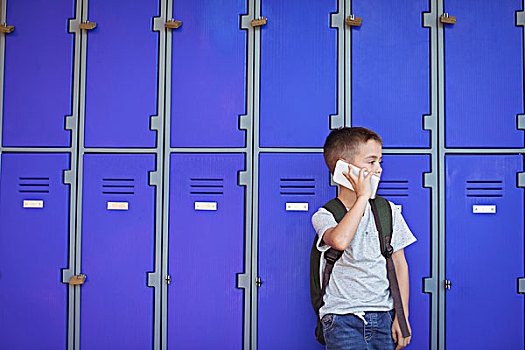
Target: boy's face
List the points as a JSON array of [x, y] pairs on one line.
[[369, 157]]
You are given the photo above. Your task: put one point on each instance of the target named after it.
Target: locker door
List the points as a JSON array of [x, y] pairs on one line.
[[298, 73], [286, 319], [208, 74], [484, 252], [390, 71], [121, 75], [37, 73], [116, 307], [34, 208], [206, 240], [483, 74], [402, 184]]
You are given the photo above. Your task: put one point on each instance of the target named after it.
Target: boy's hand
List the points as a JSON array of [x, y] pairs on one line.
[[361, 184], [398, 336]]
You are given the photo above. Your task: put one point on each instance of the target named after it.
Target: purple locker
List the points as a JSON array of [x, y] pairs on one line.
[[37, 73], [121, 75], [208, 74], [484, 252], [34, 207], [483, 74], [116, 310], [286, 319], [206, 240], [390, 71], [298, 73], [402, 184]]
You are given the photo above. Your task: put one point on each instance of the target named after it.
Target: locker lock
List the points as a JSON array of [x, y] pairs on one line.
[[172, 24], [87, 25], [353, 21], [77, 279], [445, 18], [4, 28], [447, 284], [259, 22], [258, 282]]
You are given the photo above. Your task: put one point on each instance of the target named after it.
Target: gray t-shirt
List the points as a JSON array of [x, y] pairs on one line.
[[359, 281]]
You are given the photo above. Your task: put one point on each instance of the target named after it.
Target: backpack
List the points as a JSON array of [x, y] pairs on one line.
[[383, 220]]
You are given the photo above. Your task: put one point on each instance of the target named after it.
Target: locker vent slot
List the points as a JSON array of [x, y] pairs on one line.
[[206, 186], [118, 186], [393, 188], [297, 187], [484, 188], [33, 185]]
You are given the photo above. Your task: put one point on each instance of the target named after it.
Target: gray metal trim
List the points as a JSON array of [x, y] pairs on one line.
[[214, 150], [521, 285], [347, 74], [337, 20], [3, 19]]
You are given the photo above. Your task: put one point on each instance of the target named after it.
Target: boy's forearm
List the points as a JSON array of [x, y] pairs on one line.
[[340, 236]]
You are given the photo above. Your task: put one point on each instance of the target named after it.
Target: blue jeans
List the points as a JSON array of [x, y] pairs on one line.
[[349, 332]]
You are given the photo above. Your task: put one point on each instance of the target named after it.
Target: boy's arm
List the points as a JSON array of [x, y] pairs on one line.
[[339, 237], [401, 266]]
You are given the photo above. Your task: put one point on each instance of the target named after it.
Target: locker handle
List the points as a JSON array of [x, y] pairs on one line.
[[172, 24], [445, 18], [77, 279], [4, 28], [259, 22], [87, 25], [353, 21]]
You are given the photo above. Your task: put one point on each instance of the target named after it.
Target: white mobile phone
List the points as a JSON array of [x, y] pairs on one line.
[[339, 178]]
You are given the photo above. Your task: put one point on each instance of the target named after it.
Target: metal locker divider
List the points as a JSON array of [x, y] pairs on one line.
[[122, 73], [208, 64], [402, 184], [298, 72], [37, 73], [116, 305], [390, 73], [206, 252], [291, 188], [483, 52], [484, 252], [34, 206]]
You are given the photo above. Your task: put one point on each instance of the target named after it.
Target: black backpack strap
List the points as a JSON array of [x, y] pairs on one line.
[[383, 219]]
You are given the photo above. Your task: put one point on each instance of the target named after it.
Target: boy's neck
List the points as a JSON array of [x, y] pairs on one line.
[[347, 196]]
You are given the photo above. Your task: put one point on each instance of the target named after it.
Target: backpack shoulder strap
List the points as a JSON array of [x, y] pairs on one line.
[[383, 219], [337, 208]]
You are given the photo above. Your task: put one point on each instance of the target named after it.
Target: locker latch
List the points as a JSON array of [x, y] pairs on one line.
[[172, 24], [87, 25], [353, 21], [77, 279], [258, 282], [259, 22], [4, 28], [445, 18], [447, 284], [167, 279]]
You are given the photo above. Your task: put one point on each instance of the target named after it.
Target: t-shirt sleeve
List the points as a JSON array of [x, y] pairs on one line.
[[322, 220], [401, 234]]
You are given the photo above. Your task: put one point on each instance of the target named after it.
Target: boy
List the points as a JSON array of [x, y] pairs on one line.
[[357, 311]]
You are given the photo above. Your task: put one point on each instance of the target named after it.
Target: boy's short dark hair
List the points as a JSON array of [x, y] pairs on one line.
[[345, 142]]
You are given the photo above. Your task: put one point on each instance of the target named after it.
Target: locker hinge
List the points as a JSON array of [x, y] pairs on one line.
[[429, 19], [521, 121], [167, 279], [243, 281], [430, 180], [520, 18], [258, 282], [153, 279], [447, 284], [77, 279], [521, 180], [244, 178], [429, 122], [521, 285]]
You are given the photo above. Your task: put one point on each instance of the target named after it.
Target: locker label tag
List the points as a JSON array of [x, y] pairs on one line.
[[484, 209], [118, 206], [296, 206], [205, 205], [31, 203]]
